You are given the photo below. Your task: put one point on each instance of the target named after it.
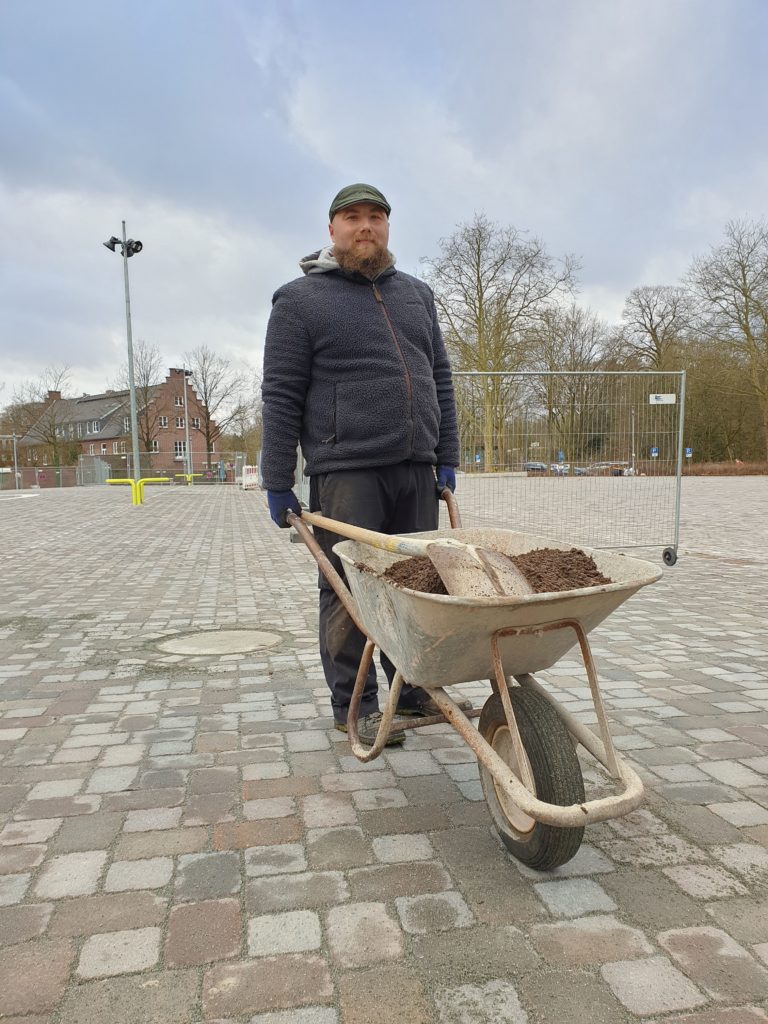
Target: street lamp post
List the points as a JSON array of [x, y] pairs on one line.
[[187, 452], [128, 247]]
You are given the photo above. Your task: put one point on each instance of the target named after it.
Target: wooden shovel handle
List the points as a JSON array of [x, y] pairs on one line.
[[383, 541]]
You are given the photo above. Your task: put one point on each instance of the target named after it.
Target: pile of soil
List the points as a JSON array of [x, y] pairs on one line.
[[548, 571]]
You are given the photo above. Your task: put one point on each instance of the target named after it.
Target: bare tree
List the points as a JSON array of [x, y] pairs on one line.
[[219, 386], [569, 340], [492, 285], [39, 413], [656, 320], [722, 418], [731, 282], [244, 431], [147, 376]]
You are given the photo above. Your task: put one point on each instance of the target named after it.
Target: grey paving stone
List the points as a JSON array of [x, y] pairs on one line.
[[360, 934], [651, 986], [147, 873], [296, 931], [202, 876], [433, 912], [402, 848], [275, 860], [490, 1003], [125, 952], [71, 874], [574, 897]]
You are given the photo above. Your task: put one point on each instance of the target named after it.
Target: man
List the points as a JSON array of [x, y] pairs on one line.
[[355, 369]]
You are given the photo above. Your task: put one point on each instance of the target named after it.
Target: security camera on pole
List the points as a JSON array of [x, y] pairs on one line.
[[128, 247]]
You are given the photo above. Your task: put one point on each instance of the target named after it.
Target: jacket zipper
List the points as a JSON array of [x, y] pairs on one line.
[[408, 382]]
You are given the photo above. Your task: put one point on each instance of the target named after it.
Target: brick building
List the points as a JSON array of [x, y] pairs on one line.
[[99, 426]]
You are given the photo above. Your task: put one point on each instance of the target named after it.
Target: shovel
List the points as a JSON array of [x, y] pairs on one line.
[[466, 570]]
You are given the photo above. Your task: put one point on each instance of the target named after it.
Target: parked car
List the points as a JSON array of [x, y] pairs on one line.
[[615, 468], [581, 470], [535, 467], [560, 468]]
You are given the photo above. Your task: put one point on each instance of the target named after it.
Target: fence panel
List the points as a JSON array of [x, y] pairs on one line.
[[594, 458]]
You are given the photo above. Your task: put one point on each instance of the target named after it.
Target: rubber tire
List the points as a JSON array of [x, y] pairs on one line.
[[669, 555], [556, 774]]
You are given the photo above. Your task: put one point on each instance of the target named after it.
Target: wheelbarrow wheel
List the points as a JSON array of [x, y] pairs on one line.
[[556, 773]]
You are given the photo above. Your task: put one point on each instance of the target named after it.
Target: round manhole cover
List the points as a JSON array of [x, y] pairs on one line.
[[222, 641]]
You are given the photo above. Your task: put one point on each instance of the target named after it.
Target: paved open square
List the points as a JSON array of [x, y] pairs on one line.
[[184, 837]]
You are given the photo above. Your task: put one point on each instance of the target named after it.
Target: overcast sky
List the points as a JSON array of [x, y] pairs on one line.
[[626, 132]]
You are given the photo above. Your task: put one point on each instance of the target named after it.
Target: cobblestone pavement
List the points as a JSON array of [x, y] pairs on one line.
[[185, 838]]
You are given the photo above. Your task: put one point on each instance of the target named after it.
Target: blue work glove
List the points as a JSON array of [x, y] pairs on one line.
[[446, 477], [280, 503]]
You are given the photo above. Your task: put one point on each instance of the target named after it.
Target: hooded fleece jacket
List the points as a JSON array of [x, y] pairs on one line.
[[355, 370]]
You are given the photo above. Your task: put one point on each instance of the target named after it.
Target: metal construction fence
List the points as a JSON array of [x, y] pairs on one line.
[[97, 469], [589, 457]]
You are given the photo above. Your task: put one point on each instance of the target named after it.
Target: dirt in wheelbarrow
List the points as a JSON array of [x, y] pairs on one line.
[[548, 570]]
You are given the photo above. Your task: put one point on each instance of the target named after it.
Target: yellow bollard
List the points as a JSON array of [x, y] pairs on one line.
[[134, 490], [149, 480]]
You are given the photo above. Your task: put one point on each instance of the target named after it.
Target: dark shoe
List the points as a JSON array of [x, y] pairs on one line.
[[368, 730], [425, 707]]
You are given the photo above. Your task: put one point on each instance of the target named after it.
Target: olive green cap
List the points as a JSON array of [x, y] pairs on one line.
[[358, 193]]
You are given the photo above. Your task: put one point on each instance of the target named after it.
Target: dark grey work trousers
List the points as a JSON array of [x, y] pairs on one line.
[[391, 499]]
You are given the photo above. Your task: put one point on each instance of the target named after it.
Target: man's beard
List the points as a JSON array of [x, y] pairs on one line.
[[370, 265]]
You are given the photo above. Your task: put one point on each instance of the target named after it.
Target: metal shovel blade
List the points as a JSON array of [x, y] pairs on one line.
[[469, 571]]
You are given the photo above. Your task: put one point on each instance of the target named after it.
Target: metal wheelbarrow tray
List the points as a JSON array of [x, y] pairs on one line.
[[526, 741]]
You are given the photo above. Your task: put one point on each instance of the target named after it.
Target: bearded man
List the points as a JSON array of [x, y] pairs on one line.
[[355, 370]]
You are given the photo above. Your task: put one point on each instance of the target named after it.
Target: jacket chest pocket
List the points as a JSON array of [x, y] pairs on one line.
[[364, 410]]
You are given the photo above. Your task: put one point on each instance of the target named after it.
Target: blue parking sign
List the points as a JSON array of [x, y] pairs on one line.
[[654, 453], [688, 453]]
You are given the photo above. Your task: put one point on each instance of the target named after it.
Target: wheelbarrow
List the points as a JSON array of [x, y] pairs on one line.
[[526, 742]]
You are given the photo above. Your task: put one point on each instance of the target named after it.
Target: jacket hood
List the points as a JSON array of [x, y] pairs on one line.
[[323, 261], [320, 262]]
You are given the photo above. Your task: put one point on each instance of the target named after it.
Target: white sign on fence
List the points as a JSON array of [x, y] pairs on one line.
[[662, 399]]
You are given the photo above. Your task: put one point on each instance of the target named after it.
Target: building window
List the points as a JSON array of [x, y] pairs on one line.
[[91, 449], [115, 447], [155, 447], [178, 401], [122, 447], [79, 429], [179, 449], [103, 447], [213, 447], [179, 421], [195, 421], [126, 424], [94, 427], [163, 421]]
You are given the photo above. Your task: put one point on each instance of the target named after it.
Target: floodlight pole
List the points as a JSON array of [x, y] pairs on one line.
[[131, 380]]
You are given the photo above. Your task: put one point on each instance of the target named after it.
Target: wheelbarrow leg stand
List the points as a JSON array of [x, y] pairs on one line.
[[369, 753], [603, 748]]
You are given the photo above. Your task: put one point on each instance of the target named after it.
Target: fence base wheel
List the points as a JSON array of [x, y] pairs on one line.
[[556, 773], [669, 555]]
